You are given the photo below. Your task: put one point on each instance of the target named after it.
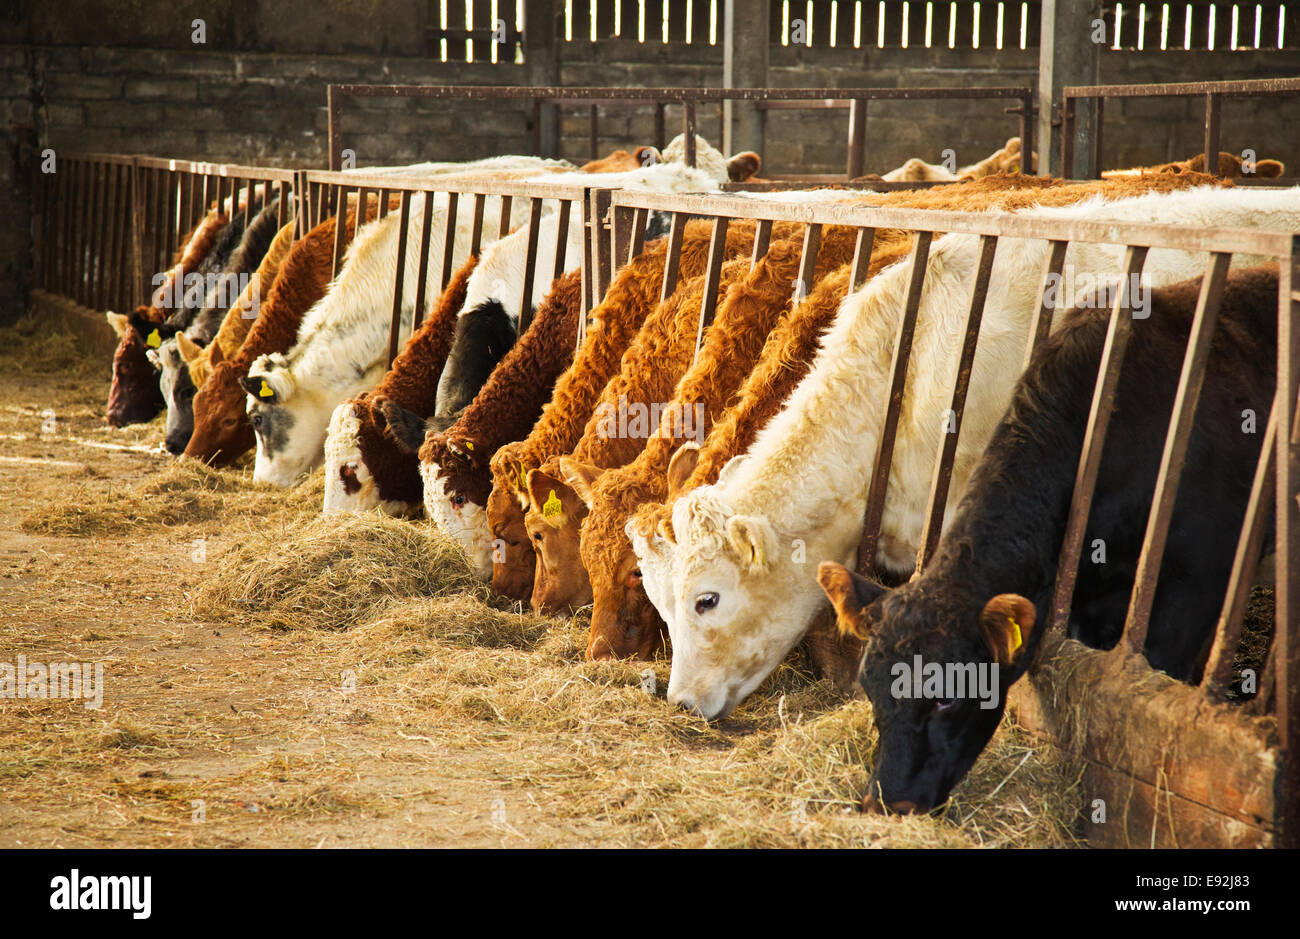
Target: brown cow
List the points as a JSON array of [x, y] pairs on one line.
[[1230, 166], [374, 457]]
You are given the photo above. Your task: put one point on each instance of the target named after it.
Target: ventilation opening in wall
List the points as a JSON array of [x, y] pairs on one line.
[[491, 31]]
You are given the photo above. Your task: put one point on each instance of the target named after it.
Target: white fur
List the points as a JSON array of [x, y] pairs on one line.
[[805, 478], [466, 524], [342, 343]]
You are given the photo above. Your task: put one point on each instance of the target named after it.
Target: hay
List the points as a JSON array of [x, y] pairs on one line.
[[183, 493], [333, 572]]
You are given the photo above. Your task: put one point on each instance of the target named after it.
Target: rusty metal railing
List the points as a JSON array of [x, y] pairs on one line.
[[689, 99], [327, 191], [1277, 482], [1213, 94], [104, 224]]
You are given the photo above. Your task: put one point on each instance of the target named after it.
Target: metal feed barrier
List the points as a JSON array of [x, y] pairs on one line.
[[104, 224], [855, 99]]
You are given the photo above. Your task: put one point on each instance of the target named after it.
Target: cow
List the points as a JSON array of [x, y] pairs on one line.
[[741, 595], [1230, 166], [986, 597], [174, 378], [648, 372], [1006, 160], [752, 307], [241, 315], [221, 430], [454, 463], [133, 396], [368, 463]]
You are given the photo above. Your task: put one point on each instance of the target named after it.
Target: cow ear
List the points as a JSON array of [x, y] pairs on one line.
[[582, 477], [215, 355], [258, 387], [119, 321], [1007, 622], [550, 497], [406, 428], [753, 540], [681, 466], [190, 350], [743, 165], [1269, 169], [850, 594]]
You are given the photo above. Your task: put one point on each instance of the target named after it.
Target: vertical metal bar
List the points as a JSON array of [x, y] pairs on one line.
[[382, 211], [426, 235], [1286, 641], [1175, 452], [861, 258], [898, 371], [812, 242], [620, 235], [530, 266], [282, 206], [399, 278], [103, 237], [712, 276], [503, 224], [942, 478], [116, 214], [1103, 404], [340, 203], [661, 134], [1067, 138], [762, 241], [1053, 264], [1096, 137], [593, 133], [83, 226], [588, 264], [1250, 543], [600, 199], [639, 220], [688, 127], [1027, 162], [537, 126], [449, 239], [1212, 102], [335, 132], [673, 256], [857, 137], [562, 237], [138, 275], [249, 190], [476, 234]]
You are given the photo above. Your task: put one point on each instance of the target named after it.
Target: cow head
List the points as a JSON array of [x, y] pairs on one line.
[[928, 742], [290, 423], [554, 521], [624, 620], [370, 459], [222, 433], [721, 169], [513, 559], [134, 397], [178, 391], [455, 472]]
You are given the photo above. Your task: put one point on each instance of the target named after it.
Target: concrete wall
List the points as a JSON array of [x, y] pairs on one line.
[[126, 77]]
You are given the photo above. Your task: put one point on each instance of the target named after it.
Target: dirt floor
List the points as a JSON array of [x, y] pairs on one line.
[[272, 678]]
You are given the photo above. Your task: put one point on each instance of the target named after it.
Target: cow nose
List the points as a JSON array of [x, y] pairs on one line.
[[872, 804], [174, 447]]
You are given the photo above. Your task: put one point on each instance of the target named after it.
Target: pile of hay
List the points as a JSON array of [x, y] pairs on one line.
[[333, 572]]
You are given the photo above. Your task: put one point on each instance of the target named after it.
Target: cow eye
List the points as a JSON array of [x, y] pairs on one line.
[[458, 500], [537, 536], [256, 420], [634, 578], [705, 602], [945, 704]]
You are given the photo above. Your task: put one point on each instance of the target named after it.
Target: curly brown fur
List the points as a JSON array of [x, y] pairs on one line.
[[509, 403]]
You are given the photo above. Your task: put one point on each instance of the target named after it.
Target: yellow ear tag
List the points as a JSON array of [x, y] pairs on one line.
[[523, 479], [469, 445], [1016, 640], [551, 507], [265, 391], [153, 340]]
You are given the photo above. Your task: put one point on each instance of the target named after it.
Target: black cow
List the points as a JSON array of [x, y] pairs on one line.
[[991, 579]]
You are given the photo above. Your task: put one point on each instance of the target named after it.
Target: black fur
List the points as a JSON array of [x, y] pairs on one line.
[[405, 427], [1007, 531], [483, 336]]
